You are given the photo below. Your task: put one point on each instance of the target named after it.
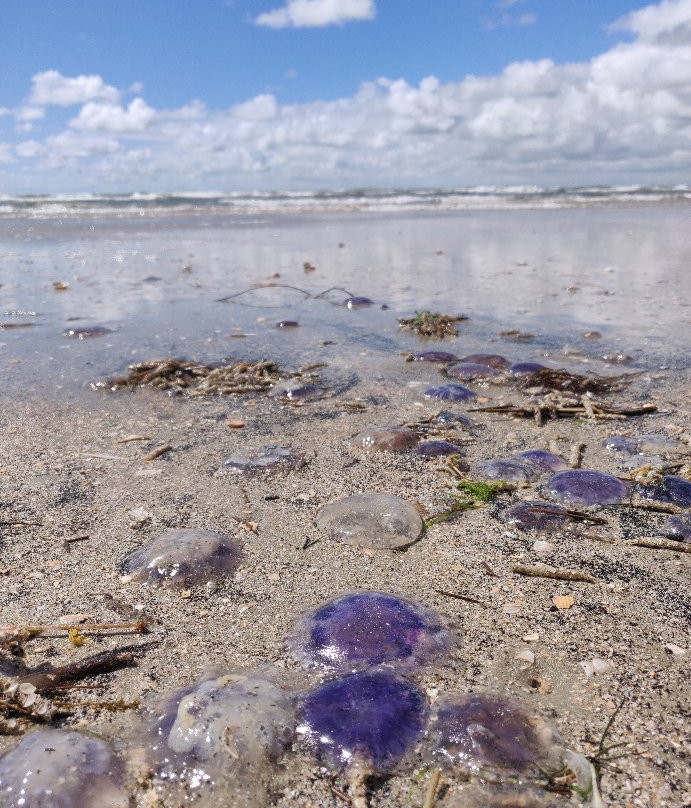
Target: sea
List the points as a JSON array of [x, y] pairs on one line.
[[589, 276]]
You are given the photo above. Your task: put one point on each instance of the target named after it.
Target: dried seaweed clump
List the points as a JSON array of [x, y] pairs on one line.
[[561, 380], [196, 379], [429, 324]]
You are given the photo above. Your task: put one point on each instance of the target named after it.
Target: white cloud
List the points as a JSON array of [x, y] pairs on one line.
[[317, 13], [52, 88], [6, 153], [622, 117]]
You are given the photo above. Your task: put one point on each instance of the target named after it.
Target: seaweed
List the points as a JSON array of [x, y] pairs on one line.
[[432, 324]]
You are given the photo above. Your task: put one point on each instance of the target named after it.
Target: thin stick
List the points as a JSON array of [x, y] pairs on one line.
[[576, 455], [141, 626], [17, 523], [660, 507], [545, 571], [657, 543], [490, 570], [73, 539], [56, 678], [158, 451], [456, 596], [432, 788], [130, 438]]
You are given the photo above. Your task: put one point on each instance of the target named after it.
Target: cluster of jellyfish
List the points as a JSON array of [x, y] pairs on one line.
[[358, 712]]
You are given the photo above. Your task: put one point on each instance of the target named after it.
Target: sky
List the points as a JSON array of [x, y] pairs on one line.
[[224, 95]]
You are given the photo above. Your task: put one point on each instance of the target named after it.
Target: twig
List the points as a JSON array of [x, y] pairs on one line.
[[130, 438], [576, 455], [432, 788], [74, 539], [657, 543], [545, 571], [652, 505], [579, 516], [158, 451], [17, 523], [460, 597], [141, 626], [490, 571]]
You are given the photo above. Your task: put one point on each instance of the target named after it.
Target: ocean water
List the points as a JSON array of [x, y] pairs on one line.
[[154, 268]]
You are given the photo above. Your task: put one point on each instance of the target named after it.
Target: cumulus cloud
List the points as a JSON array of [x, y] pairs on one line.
[[52, 88], [623, 116], [317, 13]]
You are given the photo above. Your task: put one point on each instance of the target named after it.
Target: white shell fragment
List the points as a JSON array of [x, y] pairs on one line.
[[378, 521]]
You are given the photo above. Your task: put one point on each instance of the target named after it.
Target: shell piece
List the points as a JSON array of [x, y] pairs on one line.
[[184, 557], [379, 521], [370, 719], [678, 527], [491, 360], [524, 368], [271, 458], [221, 738], [509, 470], [385, 439], [543, 460], [59, 769], [437, 448], [468, 371], [482, 732], [363, 629], [541, 517], [450, 392], [434, 356], [582, 487], [675, 490]]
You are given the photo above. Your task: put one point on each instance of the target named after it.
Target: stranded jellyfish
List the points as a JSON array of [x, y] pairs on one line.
[[357, 302], [379, 521], [451, 420], [87, 332], [220, 739], [467, 371], [674, 490], [545, 461], [271, 458], [644, 444], [542, 517], [385, 439], [481, 732], [363, 724], [524, 368], [297, 391], [53, 768], [434, 356], [184, 557], [678, 527], [508, 470], [363, 629], [491, 360], [437, 448], [579, 487], [450, 392]]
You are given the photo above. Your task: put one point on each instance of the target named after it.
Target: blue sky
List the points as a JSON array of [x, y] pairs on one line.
[[237, 94]]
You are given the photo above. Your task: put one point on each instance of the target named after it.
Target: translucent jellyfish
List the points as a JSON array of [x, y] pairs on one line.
[[379, 521], [581, 487], [678, 527], [362, 629], [385, 439], [524, 368], [452, 420], [271, 458], [220, 740], [545, 461], [297, 391], [620, 443], [492, 360], [674, 490], [437, 448], [508, 470], [363, 724], [55, 768], [357, 302], [183, 557], [434, 356], [541, 517], [450, 392], [482, 732], [467, 371], [87, 332]]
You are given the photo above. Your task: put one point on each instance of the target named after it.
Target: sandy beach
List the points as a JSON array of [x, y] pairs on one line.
[[68, 471]]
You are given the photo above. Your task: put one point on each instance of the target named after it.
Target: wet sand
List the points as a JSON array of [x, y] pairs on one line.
[[63, 467]]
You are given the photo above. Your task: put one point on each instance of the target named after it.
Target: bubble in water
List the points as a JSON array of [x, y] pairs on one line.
[[508, 470], [450, 392], [220, 739], [183, 557], [385, 439], [362, 629], [379, 521], [271, 458], [54, 768], [582, 487]]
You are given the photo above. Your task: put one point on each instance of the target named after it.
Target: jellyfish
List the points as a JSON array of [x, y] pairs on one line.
[[678, 527], [673, 489], [545, 461], [450, 392], [379, 521], [437, 448], [360, 630], [385, 439], [54, 768], [524, 368], [183, 557], [581, 487], [357, 302], [221, 738], [467, 371], [87, 332], [434, 356], [508, 470], [270, 459], [363, 724], [491, 360], [542, 517]]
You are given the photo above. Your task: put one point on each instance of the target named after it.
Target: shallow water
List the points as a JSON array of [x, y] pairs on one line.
[[155, 280]]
